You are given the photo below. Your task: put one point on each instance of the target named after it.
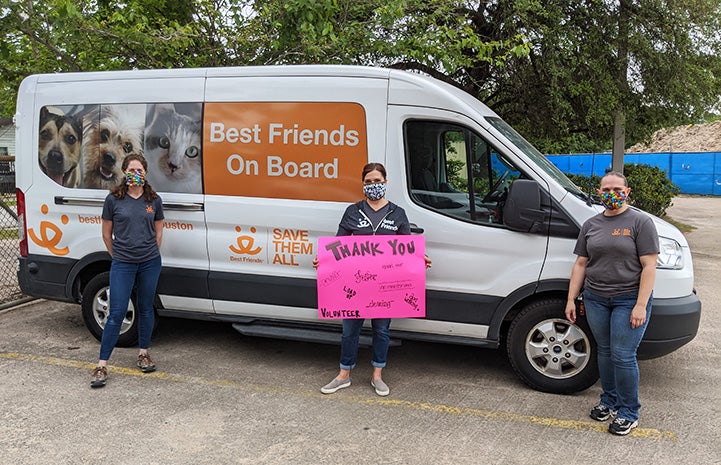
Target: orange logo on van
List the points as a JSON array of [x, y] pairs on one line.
[[286, 150], [46, 241], [245, 243]]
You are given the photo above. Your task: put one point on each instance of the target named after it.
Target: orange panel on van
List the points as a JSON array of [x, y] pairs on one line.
[[289, 150]]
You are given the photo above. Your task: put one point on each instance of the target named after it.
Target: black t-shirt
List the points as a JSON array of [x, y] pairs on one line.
[[133, 227]]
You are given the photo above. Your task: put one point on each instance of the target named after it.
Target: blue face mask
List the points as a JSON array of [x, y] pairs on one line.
[[375, 191]]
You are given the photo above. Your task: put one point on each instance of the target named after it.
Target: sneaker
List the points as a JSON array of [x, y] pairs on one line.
[[145, 364], [602, 413], [621, 426], [100, 376], [380, 387], [334, 385]]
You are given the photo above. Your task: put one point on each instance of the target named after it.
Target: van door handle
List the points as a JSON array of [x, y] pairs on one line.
[[62, 200], [416, 230], [185, 206]]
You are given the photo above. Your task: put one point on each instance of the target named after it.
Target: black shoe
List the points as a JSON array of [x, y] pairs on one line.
[[621, 427], [602, 413], [100, 376]]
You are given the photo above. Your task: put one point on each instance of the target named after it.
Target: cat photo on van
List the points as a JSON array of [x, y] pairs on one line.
[[59, 144], [172, 147], [111, 132]]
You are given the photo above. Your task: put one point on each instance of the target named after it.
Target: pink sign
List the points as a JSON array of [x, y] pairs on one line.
[[371, 277]]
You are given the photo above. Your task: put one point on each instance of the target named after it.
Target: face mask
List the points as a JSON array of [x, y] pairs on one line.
[[375, 191], [135, 178], [613, 200]]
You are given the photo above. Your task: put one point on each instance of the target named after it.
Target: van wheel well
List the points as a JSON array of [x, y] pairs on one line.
[[518, 307], [84, 277]]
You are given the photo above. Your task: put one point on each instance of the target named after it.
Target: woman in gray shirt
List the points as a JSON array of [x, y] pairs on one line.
[[132, 232], [616, 264]]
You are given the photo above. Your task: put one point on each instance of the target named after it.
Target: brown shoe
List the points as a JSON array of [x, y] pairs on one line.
[[100, 376], [145, 364]]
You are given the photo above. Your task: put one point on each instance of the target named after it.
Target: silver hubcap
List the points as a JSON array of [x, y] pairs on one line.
[[558, 349], [101, 310]]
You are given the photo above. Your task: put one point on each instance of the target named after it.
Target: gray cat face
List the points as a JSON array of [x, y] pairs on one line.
[[172, 145]]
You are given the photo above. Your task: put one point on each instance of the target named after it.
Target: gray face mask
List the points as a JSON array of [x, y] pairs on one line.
[[375, 191]]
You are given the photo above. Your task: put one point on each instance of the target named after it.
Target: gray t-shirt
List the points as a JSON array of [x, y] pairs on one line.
[[133, 227], [613, 245]]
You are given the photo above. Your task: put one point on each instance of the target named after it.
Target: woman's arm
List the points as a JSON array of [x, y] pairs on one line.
[[159, 232], [108, 236], [648, 277], [578, 273]]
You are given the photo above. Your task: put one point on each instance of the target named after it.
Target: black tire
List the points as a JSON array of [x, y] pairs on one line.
[[95, 307], [549, 353]]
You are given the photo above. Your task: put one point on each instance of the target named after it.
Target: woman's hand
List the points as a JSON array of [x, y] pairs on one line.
[[638, 316], [429, 263], [315, 262], [571, 310]]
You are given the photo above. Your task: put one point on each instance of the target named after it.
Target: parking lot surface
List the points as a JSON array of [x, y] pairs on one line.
[[219, 397]]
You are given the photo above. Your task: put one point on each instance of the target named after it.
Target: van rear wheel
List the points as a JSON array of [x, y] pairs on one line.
[[548, 352], [96, 309]]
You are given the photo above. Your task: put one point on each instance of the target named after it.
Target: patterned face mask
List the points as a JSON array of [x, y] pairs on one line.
[[135, 178], [375, 191], [613, 200]]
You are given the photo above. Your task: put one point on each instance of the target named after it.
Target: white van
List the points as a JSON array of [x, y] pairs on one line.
[[254, 164]]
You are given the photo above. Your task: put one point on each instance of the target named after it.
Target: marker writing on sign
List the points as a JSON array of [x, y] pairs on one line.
[[341, 251]]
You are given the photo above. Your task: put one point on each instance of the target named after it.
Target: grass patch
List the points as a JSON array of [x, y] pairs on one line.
[[683, 227]]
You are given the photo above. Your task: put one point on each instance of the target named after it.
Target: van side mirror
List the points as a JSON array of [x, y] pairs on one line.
[[522, 211]]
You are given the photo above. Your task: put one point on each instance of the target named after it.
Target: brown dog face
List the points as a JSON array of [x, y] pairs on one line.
[[59, 147], [111, 133]]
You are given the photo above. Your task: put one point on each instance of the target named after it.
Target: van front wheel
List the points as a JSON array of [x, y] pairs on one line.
[[548, 352], [96, 309]]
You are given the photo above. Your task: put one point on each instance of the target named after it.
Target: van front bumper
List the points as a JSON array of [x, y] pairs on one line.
[[673, 323]]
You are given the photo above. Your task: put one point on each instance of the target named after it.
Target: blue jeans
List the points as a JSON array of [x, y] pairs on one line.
[[349, 342], [616, 342], [123, 276]]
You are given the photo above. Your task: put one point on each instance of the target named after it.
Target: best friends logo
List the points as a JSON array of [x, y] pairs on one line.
[[50, 234]]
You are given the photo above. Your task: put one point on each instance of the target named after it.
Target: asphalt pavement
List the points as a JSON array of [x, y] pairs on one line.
[[221, 398]]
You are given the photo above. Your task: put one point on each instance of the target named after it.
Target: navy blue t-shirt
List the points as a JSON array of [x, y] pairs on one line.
[[133, 227]]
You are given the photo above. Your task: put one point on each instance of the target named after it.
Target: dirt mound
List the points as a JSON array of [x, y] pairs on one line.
[[691, 138]]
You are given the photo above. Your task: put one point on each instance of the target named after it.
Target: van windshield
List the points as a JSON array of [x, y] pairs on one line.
[[532, 153]]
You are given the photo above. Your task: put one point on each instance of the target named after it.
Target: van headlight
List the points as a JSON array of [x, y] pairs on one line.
[[670, 256]]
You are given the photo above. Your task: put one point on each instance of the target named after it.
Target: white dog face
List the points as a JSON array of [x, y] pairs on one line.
[[110, 134]]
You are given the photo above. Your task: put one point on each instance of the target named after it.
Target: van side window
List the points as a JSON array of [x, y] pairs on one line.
[[83, 146], [456, 172]]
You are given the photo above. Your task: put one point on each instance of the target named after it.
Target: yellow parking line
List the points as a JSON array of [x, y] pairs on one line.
[[648, 433]]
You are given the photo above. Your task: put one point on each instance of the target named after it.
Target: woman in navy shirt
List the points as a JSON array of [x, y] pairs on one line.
[[372, 216], [132, 232]]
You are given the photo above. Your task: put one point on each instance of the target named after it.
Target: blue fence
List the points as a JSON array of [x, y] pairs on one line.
[[693, 172]]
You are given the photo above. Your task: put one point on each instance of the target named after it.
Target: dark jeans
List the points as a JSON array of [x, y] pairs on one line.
[[123, 276], [616, 342], [349, 342]]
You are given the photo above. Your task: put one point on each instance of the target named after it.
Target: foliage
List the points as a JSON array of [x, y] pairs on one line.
[[651, 190], [562, 72]]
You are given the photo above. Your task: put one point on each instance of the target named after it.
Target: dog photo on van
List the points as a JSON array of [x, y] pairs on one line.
[[172, 147], [111, 132], [59, 146]]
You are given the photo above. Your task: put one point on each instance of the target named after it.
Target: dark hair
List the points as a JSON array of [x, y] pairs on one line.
[[121, 189], [617, 174], [374, 167]]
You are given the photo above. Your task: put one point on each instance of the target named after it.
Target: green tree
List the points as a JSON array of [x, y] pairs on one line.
[[602, 71]]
